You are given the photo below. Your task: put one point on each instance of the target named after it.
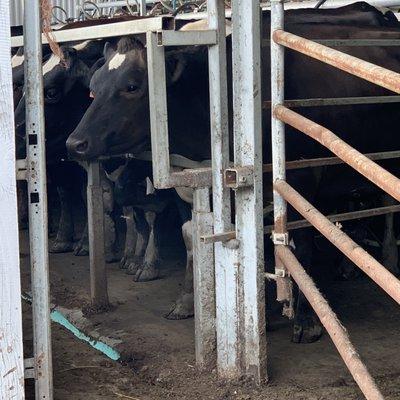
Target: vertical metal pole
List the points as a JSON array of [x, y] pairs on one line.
[[226, 277], [142, 6], [204, 281], [158, 111], [11, 349], [280, 235], [246, 56], [98, 272], [37, 200]]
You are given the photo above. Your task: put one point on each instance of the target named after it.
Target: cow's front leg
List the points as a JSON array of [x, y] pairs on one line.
[[307, 327], [110, 235], [184, 306], [130, 238], [390, 255], [149, 270], [81, 248], [142, 239], [64, 241]]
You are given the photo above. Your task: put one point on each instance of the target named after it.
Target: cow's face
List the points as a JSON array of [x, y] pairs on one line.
[[65, 98], [117, 121]]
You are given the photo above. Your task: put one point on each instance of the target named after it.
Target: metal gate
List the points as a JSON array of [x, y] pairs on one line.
[[286, 263]]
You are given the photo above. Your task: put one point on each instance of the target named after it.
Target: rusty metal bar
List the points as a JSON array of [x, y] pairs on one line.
[[372, 171], [372, 212], [336, 101], [330, 321], [353, 65], [376, 271], [303, 223], [325, 161]]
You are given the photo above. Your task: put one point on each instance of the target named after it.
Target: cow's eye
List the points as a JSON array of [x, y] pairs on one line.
[[52, 94], [132, 88]]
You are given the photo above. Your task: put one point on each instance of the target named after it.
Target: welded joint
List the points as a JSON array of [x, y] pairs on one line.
[[280, 238], [279, 273], [239, 177]]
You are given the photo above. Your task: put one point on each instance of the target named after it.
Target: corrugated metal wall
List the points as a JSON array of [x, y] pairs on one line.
[[17, 9]]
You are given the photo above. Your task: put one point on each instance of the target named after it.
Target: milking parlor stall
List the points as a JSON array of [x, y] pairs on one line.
[[199, 199]]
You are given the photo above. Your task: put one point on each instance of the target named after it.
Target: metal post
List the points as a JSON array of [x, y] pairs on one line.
[[158, 111], [11, 349], [203, 281], [280, 235], [246, 56], [142, 7], [98, 272], [226, 257], [37, 200]]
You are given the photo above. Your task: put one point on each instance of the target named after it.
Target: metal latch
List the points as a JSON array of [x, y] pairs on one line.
[[238, 177], [280, 238]]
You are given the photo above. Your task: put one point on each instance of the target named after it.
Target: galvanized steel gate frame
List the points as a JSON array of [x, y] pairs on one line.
[[287, 266], [229, 267]]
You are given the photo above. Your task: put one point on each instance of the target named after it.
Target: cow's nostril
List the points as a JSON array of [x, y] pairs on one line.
[[81, 147]]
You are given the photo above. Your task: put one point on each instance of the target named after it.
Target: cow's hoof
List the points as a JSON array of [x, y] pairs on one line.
[[81, 249], [61, 247], [306, 329], [148, 273], [133, 266], [183, 308]]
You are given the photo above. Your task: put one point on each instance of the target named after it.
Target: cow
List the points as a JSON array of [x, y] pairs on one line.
[[66, 97], [118, 119]]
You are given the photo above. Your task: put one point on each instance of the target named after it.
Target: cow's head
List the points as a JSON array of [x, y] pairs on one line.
[[118, 119], [66, 96]]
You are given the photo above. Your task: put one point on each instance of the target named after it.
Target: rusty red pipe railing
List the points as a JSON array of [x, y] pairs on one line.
[[376, 271], [353, 65], [331, 323], [366, 167]]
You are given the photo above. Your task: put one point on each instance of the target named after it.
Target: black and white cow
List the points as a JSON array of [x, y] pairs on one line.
[[118, 119]]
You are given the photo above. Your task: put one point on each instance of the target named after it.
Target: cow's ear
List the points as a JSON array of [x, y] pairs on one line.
[[175, 66], [70, 56], [108, 50]]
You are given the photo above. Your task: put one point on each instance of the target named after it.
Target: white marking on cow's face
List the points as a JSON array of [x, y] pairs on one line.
[[51, 63], [116, 61], [17, 60], [81, 46]]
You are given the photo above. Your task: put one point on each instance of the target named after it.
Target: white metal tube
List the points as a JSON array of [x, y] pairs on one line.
[[11, 349], [246, 62], [228, 358], [37, 200]]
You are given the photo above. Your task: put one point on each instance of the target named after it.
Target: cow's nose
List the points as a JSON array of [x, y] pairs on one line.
[[77, 146]]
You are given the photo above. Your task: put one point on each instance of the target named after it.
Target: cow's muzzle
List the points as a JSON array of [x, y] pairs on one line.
[[77, 147]]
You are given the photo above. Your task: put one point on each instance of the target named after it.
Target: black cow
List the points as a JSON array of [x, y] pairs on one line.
[[118, 119]]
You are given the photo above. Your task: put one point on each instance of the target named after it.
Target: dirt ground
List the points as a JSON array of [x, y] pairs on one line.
[[161, 352]]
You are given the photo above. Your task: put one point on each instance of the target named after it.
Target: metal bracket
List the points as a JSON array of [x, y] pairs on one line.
[[21, 170], [29, 366], [239, 177], [280, 238], [186, 38], [279, 273]]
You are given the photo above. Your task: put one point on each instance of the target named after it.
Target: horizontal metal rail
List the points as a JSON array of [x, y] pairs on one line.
[[186, 38], [326, 161], [330, 321], [349, 42], [376, 271], [366, 167], [136, 26], [336, 101], [373, 73], [303, 223]]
